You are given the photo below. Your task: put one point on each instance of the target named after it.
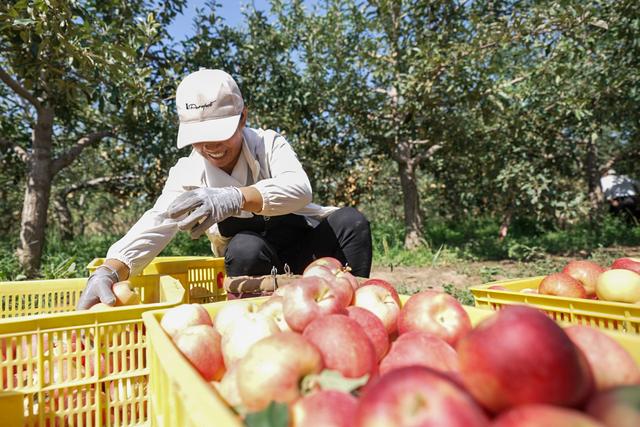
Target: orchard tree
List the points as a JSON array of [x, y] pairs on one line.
[[77, 73]]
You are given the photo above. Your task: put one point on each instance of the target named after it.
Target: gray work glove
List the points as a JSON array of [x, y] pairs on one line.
[[98, 289], [207, 206]]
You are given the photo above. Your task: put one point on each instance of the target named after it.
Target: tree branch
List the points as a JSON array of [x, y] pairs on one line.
[[103, 180], [427, 154], [66, 158], [20, 152], [19, 89]]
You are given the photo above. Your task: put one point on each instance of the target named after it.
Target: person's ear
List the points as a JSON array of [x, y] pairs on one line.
[[243, 118]]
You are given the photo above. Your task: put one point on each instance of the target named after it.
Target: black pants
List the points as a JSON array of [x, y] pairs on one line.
[[627, 208], [260, 243]]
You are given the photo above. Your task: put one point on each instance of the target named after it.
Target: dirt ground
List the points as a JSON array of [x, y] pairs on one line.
[[464, 274]]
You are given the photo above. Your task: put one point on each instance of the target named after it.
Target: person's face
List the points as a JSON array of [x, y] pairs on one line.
[[224, 154]]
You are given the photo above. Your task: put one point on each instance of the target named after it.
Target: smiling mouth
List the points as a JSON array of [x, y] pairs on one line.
[[217, 155]]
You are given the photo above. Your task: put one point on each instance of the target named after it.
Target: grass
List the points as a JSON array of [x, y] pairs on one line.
[[534, 249], [476, 240]]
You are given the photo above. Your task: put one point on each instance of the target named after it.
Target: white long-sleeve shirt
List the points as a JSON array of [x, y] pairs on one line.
[[267, 162], [618, 186]]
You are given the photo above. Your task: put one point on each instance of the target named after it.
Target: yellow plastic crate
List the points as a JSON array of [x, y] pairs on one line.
[[601, 314], [84, 368], [178, 395], [202, 277]]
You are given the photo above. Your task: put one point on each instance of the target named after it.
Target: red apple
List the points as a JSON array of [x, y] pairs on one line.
[[183, 316], [100, 307], [619, 285], [421, 349], [437, 313], [228, 314], [381, 301], [280, 290], [417, 396], [248, 329], [373, 327], [627, 263], [273, 308], [125, 294], [388, 286], [586, 272], [273, 369], [498, 288], [336, 278], [544, 416], [519, 356], [330, 263], [228, 387], [610, 363], [345, 275], [309, 298], [319, 271], [343, 344], [562, 285], [529, 291], [324, 408], [200, 345], [616, 407]]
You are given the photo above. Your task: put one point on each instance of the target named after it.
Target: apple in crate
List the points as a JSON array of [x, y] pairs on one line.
[[417, 396], [610, 363], [544, 416], [319, 271], [437, 313], [617, 406], [520, 356], [125, 294], [627, 263], [343, 344], [561, 285], [586, 272], [201, 346], [273, 369], [324, 408], [248, 329], [350, 278], [421, 349], [227, 316], [273, 308], [619, 285], [373, 327], [181, 317], [380, 298], [330, 263], [310, 297], [228, 386]]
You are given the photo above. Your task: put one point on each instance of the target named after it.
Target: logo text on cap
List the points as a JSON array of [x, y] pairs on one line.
[[196, 107]]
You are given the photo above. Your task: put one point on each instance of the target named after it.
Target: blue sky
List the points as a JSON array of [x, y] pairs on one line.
[[230, 10]]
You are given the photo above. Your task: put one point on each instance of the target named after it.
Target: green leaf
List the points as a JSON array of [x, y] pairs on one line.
[[274, 415], [23, 22]]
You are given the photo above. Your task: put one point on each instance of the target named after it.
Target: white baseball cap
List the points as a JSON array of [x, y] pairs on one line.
[[209, 106]]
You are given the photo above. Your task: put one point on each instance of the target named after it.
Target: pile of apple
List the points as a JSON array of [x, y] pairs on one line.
[[66, 362], [587, 279], [344, 353]]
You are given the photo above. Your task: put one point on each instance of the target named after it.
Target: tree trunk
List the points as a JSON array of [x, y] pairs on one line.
[[36, 196], [592, 172], [411, 198], [65, 219]]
